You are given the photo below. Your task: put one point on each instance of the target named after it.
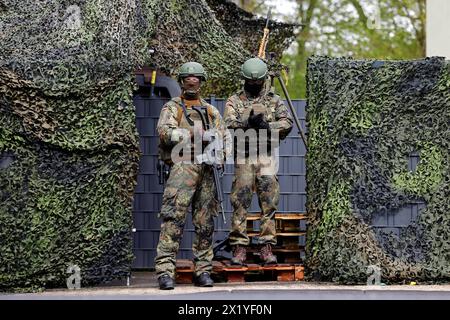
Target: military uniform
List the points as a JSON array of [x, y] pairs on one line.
[[255, 108], [252, 177], [188, 183]]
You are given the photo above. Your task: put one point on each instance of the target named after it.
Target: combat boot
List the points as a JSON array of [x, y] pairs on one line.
[[166, 282], [266, 255], [204, 280], [239, 255]]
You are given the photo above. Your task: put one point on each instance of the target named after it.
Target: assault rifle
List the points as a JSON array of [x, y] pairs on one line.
[[202, 111]]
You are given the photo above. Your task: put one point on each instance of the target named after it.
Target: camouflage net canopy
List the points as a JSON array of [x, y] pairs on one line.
[[69, 148], [247, 30], [217, 34], [365, 119]]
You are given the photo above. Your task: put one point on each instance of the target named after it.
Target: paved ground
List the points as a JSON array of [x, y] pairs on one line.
[[143, 286]]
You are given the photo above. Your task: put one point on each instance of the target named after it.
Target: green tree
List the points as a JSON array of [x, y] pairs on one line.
[[382, 29], [250, 5]]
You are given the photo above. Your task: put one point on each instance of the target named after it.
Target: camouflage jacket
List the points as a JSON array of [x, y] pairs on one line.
[[172, 119], [238, 108]]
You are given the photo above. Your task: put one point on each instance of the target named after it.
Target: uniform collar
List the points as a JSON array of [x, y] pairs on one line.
[[262, 94], [180, 100]]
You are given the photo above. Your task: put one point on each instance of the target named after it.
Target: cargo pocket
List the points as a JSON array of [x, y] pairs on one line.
[[169, 203]]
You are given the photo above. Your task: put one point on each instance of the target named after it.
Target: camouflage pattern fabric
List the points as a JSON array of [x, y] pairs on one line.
[[187, 184], [260, 175], [221, 46], [249, 177], [168, 121], [171, 120], [238, 108]]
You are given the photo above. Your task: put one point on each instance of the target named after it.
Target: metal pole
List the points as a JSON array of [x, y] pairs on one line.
[[294, 113]]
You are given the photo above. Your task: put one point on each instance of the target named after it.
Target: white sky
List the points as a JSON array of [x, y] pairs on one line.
[[285, 7]]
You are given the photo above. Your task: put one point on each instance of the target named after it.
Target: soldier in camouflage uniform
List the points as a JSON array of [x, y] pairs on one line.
[[255, 107], [188, 182]]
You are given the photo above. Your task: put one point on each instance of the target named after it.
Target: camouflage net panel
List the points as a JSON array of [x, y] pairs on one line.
[[247, 30], [188, 31], [68, 143], [69, 148], [365, 118], [217, 34]]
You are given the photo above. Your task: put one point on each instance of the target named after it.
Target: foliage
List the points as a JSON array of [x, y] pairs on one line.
[[382, 29]]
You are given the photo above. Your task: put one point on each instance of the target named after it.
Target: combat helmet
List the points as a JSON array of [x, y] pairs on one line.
[[192, 69], [254, 69]]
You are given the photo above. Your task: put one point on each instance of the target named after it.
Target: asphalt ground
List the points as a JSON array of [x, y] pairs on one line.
[[143, 286]]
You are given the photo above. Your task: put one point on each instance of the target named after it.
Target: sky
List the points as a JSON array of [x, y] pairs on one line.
[[285, 7]]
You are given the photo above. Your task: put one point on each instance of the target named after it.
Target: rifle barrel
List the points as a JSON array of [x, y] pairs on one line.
[[219, 191], [206, 126]]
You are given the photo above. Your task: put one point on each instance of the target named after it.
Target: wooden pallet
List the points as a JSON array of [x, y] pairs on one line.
[[286, 224], [290, 254], [288, 230], [185, 270], [224, 271]]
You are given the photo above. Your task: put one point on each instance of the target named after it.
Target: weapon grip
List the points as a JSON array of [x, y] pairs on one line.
[[160, 169]]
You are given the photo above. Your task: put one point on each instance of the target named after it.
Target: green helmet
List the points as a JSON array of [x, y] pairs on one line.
[[192, 69], [254, 69]]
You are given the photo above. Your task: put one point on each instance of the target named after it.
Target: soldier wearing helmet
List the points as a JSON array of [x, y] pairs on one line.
[[189, 182], [255, 107]]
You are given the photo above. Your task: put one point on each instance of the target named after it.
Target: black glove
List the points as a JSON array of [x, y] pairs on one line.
[[257, 121]]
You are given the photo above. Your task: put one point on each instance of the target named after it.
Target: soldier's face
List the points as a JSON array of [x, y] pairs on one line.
[[253, 87], [191, 83]]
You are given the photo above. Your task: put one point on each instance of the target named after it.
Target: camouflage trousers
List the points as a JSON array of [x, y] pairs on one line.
[[187, 183], [247, 179]]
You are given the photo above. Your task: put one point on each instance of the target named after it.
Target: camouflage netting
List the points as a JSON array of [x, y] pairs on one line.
[[221, 39], [68, 143], [365, 119], [247, 30]]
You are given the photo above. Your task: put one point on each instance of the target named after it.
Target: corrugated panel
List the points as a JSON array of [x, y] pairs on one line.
[[148, 194], [400, 218]]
